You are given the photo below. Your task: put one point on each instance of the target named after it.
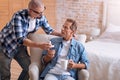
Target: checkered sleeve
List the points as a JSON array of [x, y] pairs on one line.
[[46, 27], [18, 28]]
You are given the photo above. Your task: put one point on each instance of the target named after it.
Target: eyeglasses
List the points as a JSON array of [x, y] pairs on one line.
[[39, 13]]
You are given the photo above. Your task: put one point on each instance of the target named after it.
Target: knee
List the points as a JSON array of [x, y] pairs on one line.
[[33, 72], [50, 77], [83, 74]]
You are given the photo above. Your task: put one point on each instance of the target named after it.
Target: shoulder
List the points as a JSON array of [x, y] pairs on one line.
[[21, 13], [56, 40], [43, 18], [77, 44]]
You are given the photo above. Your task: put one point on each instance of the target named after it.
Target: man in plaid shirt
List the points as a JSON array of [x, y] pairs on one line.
[[13, 38]]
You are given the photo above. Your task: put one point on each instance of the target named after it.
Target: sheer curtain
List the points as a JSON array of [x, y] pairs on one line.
[[113, 12]]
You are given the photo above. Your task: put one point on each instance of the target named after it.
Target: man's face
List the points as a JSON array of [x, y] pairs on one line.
[[36, 12], [66, 31]]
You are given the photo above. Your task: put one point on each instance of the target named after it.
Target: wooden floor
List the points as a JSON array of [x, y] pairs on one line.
[[15, 70]]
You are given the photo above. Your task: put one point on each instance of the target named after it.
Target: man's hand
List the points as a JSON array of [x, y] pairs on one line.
[[56, 33], [49, 56], [30, 43], [46, 46], [71, 64]]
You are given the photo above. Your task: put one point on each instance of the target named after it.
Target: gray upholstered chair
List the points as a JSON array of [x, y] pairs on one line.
[[35, 53]]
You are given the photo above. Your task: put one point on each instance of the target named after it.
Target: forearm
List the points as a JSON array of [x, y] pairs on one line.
[[79, 66], [56, 33], [30, 43]]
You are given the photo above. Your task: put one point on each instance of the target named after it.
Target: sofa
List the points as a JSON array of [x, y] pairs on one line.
[[35, 53]]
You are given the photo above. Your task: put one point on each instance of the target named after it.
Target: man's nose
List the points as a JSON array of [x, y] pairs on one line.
[[62, 29], [39, 16]]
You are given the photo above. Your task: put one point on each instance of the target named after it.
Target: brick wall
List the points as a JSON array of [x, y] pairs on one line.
[[87, 13], [50, 13]]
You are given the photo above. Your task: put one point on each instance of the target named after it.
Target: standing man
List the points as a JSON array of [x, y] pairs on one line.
[[68, 49], [13, 38]]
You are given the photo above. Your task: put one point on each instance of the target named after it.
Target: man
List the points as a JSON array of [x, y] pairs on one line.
[[66, 48], [13, 38]]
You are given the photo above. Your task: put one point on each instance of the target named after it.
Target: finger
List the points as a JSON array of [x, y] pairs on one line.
[[50, 42], [70, 67], [70, 61], [50, 45]]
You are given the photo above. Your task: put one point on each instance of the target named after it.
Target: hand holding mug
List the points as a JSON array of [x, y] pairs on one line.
[[71, 64]]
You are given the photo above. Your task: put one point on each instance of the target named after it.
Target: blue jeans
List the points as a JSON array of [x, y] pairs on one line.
[[23, 60], [50, 76]]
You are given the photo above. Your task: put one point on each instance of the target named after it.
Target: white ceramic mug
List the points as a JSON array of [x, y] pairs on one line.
[[64, 64]]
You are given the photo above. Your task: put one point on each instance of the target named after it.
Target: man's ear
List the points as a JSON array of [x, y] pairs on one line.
[[73, 32], [74, 35]]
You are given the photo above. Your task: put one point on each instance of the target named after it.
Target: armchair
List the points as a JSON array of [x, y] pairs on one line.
[[34, 68]]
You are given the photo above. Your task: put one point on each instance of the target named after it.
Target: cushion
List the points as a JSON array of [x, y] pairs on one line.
[[113, 28], [112, 32], [82, 38]]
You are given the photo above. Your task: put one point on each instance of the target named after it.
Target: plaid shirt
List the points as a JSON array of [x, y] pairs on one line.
[[12, 35]]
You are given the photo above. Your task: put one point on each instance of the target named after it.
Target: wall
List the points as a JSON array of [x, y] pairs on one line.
[[87, 13], [50, 13], [8, 7]]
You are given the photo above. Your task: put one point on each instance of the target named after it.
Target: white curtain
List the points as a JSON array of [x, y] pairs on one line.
[[113, 12]]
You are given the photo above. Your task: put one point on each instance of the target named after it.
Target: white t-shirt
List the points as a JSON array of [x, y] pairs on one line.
[[32, 23], [57, 69]]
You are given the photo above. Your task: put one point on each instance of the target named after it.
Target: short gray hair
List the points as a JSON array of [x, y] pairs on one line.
[[35, 3], [73, 27]]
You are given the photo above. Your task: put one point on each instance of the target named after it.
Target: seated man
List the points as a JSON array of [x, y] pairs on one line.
[[65, 48]]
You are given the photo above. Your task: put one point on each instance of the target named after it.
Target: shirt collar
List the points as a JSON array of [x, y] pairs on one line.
[[72, 41]]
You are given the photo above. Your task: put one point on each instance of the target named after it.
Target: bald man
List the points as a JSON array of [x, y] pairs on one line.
[[14, 41]]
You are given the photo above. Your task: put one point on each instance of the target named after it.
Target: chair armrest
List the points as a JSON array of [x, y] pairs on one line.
[[83, 74]]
